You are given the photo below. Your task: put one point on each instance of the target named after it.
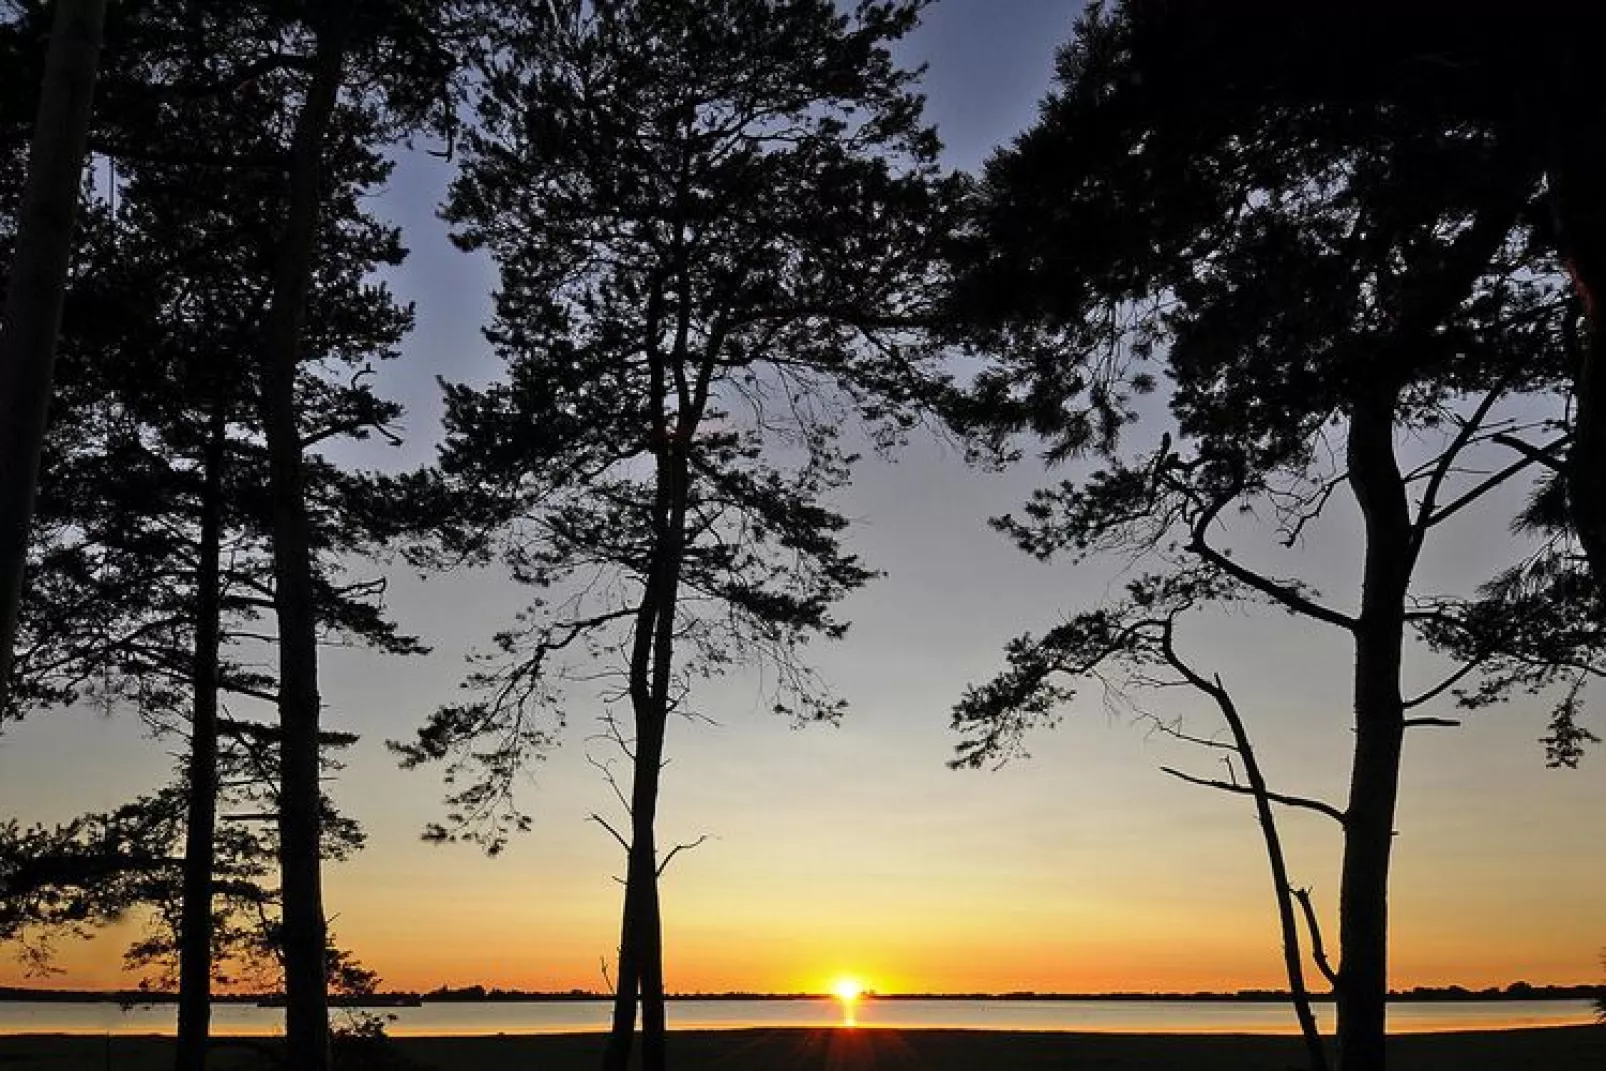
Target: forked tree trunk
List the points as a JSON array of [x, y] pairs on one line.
[[652, 660], [38, 286], [640, 942], [1362, 988], [195, 922], [304, 940]]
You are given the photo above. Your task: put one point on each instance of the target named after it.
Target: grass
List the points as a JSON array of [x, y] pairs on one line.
[[1580, 1048]]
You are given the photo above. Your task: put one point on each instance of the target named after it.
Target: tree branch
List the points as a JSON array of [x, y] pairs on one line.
[[1446, 461], [1539, 455], [603, 822], [1492, 482], [1284, 594], [1444, 686], [1318, 951], [1276, 797], [676, 850]]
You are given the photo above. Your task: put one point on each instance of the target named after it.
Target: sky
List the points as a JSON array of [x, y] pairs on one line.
[[853, 850]]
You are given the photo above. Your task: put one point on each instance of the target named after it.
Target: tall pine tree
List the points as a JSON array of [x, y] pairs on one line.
[[711, 221]]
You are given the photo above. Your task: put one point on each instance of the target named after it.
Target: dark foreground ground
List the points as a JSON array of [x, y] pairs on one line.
[[1552, 1049]]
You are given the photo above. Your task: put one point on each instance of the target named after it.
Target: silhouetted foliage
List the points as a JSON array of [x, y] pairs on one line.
[[1309, 285], [713, 222], [167, 419], [36, 282]]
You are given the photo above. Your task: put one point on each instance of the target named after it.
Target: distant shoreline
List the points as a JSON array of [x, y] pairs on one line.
[[478, 995]]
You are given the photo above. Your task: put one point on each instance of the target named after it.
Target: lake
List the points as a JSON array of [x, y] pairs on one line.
[[549, 1017]]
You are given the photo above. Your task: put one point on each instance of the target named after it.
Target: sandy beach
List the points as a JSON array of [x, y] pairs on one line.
[[1553, 1049]]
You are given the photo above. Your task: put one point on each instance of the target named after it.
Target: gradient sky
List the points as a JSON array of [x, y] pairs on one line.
[[854, 850]]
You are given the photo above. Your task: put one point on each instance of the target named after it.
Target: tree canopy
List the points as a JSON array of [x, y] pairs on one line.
[[1328, 297]]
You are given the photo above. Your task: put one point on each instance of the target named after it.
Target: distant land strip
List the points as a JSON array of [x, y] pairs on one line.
[[480, 994]]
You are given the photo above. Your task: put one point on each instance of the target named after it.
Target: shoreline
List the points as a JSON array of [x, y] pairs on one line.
[[1421, 995]]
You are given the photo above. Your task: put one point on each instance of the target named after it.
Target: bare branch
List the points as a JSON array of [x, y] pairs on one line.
[[1445, 685], [603, 822], [1539, 455], [1492, 482], [1285, 594], [1445, 463], [606, 768], [1276, 797], [1443, 723], [1318, 951], [676, 850]]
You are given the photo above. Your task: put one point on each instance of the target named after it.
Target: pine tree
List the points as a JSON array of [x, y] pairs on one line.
[[711, 222]]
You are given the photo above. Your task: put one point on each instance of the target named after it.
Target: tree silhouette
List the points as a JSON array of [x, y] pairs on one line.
[[36, 286], [711, 222], [1307, 286], [207, 98]]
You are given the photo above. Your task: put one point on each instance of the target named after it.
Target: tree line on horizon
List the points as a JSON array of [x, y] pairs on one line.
[[1251, 261]]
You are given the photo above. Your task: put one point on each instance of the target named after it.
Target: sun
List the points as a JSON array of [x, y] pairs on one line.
[[848, 990]]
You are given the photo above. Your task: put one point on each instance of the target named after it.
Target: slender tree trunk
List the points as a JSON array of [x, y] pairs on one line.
[[304, 938], [650, 937], [195, 923], [640, 944], [1379, 734], [622, 1035], [1287, 921], [37, 289], [652, 655]]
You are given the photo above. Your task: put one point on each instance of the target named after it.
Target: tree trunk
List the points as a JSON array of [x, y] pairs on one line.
[[38, 287], [650, 938], [1362, 988], [622, 1035], [640, 942], [195, 923], [651, 664], [1577, 179], [304, 940]]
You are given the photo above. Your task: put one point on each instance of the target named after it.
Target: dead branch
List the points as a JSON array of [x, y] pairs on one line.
[[676, 850], [1443, 686], [1285, 594], [603, 822], [613, 783], [1276, 797], [1318, 951]]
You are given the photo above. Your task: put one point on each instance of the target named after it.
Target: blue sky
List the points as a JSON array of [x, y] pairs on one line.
[[854, 850]]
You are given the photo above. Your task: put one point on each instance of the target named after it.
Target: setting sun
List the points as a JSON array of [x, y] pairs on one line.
[[848, 990]]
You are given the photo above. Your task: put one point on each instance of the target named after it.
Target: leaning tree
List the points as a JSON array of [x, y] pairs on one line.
[[714, 224], [1309, 287]]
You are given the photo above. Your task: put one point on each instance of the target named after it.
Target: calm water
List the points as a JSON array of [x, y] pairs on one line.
[[569, 1016]]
